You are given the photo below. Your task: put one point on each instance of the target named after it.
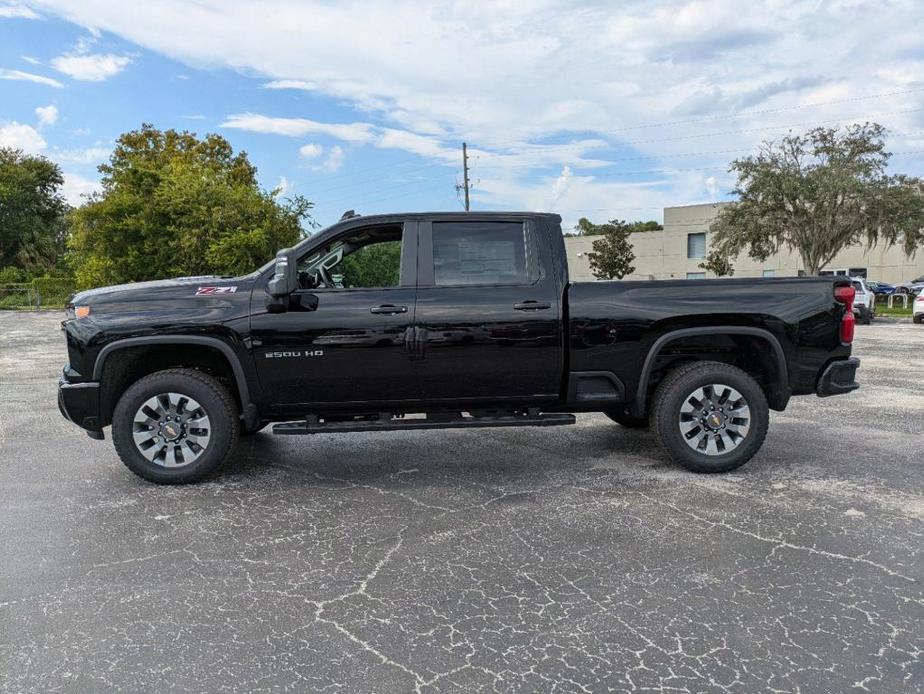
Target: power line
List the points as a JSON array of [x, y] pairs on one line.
[[520, 149], [762, 112]]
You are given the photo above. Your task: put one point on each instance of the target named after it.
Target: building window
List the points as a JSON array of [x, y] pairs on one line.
[[696, 275], [696, 245], [769, 273]]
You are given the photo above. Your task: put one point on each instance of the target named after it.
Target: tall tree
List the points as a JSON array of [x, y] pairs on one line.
[[612, 256], [174, 204], [32, 211], [817, 193]]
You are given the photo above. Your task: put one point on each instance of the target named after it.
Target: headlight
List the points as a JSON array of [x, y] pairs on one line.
[[77, 312]]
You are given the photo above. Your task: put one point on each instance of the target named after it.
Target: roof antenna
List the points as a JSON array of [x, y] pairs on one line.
[[349, 214]]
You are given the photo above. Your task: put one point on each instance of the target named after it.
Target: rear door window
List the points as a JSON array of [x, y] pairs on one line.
[[483, 253]]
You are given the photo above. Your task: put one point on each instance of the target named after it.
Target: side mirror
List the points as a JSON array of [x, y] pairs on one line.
[[285, 275]]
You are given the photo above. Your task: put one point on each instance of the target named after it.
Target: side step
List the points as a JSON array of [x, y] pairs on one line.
[[312, 425]]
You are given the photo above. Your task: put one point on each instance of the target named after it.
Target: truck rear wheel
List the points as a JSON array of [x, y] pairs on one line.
[[710, 417], [175, 426]]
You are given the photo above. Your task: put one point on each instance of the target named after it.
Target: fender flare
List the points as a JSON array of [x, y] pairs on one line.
[[240, 378], [782, 369]]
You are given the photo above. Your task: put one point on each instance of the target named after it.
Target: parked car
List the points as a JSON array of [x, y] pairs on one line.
[[864, 304], [881, 288], [181, 368], [917, 312], [915, 286]]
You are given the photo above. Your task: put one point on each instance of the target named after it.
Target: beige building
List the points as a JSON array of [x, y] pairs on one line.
[[678, 249]]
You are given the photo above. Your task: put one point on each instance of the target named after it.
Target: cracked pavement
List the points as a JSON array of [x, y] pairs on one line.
[[558, 559]]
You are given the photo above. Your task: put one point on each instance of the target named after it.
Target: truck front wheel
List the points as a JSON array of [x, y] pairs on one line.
[[709, 416], [175, 426]]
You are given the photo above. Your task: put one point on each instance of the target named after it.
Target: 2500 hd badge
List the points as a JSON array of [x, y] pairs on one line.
[[288, 355]]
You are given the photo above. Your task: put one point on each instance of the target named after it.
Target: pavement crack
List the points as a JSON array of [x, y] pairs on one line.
[[777, 543]]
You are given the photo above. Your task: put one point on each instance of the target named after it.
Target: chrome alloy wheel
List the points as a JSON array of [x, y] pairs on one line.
[[171, 430], [714, 419]]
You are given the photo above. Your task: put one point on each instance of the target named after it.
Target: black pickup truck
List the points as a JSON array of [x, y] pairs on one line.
[[422, 321]]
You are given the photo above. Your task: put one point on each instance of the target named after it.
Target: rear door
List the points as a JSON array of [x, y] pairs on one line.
[[488, 312]]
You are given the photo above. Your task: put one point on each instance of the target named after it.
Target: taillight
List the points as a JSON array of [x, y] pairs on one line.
[[845, 294]]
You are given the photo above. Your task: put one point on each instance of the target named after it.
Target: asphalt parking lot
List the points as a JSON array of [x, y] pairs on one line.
[[562, 559]]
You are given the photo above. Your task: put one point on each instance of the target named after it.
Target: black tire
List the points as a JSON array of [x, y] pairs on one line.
[[866, 316], [674, 392], [622, 416], [919, 318], [214, 399]]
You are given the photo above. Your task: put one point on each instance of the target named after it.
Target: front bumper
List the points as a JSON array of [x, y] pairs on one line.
[[79, 402], [838, 378]]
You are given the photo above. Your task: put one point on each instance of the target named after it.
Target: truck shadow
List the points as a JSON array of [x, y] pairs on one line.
[[482, 456]]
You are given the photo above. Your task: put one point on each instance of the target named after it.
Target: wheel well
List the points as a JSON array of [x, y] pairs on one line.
[[125, 366], [752, 354]]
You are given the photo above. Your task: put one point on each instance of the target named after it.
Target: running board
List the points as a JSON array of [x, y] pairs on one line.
[[314, 426]]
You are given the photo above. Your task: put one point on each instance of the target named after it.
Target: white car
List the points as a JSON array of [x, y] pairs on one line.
[[918, 311], [864, 303]]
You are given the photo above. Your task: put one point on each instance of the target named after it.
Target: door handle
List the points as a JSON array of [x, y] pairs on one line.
[[388, 308], [532, 305]]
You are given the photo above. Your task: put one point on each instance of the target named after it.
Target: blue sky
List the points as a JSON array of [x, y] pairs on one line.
[[606, 110]]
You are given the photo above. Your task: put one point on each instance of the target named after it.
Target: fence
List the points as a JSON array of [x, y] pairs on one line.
[[42, 292]]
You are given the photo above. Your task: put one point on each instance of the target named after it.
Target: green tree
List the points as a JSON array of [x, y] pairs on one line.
[[375, 265], [33, 220], [585, 227], [173, 204], [817, 193], [650, 225], [612, 256], [718, 263]]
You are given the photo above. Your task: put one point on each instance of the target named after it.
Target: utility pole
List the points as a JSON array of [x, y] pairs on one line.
[[465, 172]]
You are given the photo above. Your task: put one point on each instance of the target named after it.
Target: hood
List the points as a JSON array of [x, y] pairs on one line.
[[202, 285]]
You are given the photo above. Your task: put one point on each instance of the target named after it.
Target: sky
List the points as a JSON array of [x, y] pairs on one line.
[[606, 110]]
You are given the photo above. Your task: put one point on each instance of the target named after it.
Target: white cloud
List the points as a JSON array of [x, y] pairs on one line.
[[311, 151], [334, 159], [89, 155], [635, 80], [90, 67], [283, 187], [16, 11], [296, 127], [47, 115], [20, 76], [21, 136], [304, 85], [76, 188]]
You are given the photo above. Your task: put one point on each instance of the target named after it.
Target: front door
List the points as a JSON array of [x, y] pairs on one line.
[[343, 340], [488, 313]]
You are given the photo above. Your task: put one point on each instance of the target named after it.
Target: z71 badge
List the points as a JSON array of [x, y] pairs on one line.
[[204, 291]]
